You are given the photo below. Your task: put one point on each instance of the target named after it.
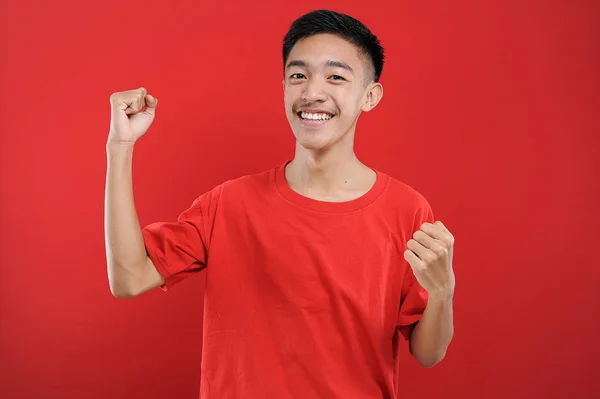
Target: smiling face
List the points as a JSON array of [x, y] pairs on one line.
[[327, 84]]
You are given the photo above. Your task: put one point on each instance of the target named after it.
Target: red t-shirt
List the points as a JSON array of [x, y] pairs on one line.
[[303, 298]]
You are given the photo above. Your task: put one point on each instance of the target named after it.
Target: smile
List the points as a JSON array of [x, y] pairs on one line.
[[314, 119]]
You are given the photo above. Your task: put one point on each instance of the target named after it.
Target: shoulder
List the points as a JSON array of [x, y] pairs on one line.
[[405, 204], [260, 179], [400, 192], [239, 188]]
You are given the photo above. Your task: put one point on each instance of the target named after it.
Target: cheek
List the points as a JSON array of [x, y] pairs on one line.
[[348, 102], [288, 98], [349, 109]]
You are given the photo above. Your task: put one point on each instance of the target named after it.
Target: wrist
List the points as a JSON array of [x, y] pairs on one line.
[[119, 153], [119, 146], [441, 296]]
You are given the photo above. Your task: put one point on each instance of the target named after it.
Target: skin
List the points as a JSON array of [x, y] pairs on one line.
[[429, 253], [326, 168]]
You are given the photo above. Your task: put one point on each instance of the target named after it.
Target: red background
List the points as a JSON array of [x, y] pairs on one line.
[[491, 110]]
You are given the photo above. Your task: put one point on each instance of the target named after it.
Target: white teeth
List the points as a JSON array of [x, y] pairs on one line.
[[316, 117]]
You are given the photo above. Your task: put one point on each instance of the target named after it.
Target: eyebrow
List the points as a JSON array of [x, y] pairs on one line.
[[329, 63]]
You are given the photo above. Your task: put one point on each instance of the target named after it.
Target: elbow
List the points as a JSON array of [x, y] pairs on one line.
[[429, 350], [120, 293], [430, 360], [119, 288], [429, 363], [427, 356]]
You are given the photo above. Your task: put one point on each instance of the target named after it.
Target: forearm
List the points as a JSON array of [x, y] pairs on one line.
[[432, 334], [125, 250]]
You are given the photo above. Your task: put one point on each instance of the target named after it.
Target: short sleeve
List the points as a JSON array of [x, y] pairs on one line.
[[414, 297], [179, 249]]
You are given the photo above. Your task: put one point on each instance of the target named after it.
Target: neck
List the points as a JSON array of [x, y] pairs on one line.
[[327, 173]]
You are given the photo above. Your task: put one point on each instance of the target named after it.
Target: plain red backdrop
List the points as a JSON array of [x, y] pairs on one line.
[[491, 110]]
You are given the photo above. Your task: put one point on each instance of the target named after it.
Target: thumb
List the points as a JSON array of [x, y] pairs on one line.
[[151, 103]]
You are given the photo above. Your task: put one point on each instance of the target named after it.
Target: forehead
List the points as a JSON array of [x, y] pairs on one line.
[[320, 48]]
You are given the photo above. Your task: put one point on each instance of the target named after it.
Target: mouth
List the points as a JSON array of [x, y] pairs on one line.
[[314, 119]]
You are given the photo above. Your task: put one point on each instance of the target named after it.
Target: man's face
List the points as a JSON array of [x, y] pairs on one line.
[[327, 84]]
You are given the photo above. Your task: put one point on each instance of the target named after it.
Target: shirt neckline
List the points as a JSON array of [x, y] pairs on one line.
[[297, 199]]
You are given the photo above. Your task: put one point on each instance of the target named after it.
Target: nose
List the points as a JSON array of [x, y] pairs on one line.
[[313, 91]]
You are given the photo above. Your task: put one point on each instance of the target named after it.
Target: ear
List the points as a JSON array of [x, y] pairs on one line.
[[374, 95]]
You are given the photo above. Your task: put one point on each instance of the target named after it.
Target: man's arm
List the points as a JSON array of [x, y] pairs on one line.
[[130, 270], [430, 254], [431, 336]]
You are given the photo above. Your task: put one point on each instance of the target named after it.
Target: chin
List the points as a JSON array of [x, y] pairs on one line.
[[312, 141]]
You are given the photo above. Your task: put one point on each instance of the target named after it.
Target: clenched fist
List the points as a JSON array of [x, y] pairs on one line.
[[132, 113], [430, 254]]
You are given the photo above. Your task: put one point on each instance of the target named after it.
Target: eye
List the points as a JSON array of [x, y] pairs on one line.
[[297, 76], [337, 77]]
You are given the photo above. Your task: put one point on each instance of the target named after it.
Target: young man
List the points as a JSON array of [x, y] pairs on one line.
[[315, 268]]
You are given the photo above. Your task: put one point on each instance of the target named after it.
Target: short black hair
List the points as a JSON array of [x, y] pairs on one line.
[[345, 26]]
